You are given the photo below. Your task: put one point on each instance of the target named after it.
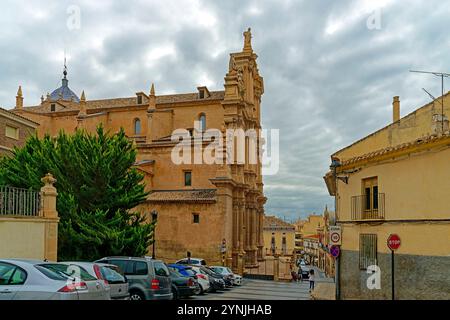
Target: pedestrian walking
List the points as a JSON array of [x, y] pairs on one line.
[[300, 274], [294, 276], [311, 280]]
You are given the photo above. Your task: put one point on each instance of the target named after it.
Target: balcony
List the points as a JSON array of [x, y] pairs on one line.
[[368, 208]]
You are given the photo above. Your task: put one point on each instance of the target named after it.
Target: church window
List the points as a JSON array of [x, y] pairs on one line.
[[202, 120], [137, 126], [139, 99], [52, 107]]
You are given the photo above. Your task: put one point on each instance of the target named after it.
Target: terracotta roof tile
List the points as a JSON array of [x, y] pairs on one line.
[[204, 195], [17, 115], [131, 101], [417, 142], [275, 222]]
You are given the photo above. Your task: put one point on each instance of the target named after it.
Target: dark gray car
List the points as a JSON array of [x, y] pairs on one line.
[[148, 279]]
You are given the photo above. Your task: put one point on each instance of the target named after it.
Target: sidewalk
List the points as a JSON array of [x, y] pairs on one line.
[[324, 291], [325, 288]]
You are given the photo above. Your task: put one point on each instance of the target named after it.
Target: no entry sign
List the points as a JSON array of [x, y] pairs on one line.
[[393, 241], [335, 251]]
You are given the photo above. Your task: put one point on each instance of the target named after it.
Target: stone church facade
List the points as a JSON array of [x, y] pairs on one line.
[[214, 211]]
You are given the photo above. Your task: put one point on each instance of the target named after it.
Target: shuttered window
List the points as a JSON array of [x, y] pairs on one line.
[[12, 132]]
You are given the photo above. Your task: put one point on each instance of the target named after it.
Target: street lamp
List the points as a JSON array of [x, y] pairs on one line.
[[155, 219]]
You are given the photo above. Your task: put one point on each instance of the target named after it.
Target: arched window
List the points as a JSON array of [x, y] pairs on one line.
[[202, 119], [137, 126]]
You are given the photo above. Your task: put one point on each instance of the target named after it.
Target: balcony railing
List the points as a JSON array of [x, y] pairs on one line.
[[19, 202], [368, 208]]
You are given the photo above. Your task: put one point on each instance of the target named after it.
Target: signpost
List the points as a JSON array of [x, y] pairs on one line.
[[393, 243], [223, 250]]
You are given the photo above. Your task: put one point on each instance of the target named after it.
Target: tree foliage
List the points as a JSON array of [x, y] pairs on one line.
[[97, 188]]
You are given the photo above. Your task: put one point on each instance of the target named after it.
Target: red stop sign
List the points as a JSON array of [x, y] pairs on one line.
[[393, 242]]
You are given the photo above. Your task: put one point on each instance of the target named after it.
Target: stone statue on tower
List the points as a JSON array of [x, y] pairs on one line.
[[248, 40]]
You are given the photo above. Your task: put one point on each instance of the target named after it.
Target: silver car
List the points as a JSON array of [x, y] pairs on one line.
[[22, 279], [109, 275]]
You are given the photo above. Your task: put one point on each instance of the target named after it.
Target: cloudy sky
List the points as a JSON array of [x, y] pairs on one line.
[[330, 68]]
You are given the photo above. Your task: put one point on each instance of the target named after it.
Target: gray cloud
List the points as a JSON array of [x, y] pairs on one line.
[[323, 89]]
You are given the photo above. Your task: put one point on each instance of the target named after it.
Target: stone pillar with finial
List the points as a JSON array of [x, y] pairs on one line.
[[49, 195], [83, 112], [19, 98], [151, 108], [50, 214]]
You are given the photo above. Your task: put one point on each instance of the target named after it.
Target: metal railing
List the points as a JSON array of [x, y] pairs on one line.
[[368, 208], [19, 202]]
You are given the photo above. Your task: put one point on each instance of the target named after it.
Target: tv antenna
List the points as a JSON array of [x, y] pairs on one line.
[[442, 75]]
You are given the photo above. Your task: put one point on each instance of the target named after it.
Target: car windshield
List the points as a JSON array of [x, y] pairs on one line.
[[218, 270], [175, 272], [69, 270], [111, 275], [161, 269], [52, 274], [210, 272], [190, 272]]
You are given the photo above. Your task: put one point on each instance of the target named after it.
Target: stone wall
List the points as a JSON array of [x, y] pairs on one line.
[[176, 233], [416, 277], [8, 143]]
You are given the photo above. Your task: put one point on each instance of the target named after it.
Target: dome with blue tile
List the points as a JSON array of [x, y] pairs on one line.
[[64, 92]]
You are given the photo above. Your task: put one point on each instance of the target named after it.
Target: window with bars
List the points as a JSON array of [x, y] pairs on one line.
[[367, 250]]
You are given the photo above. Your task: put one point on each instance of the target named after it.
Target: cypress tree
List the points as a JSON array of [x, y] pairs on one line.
[[97, 189]]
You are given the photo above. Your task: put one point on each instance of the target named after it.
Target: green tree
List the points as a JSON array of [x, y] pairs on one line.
[[97, 188]]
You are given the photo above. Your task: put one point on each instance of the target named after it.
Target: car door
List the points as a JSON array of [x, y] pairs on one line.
[[12, 280]]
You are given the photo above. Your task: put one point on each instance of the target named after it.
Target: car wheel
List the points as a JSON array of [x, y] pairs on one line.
[[202, 291], [136, 295]]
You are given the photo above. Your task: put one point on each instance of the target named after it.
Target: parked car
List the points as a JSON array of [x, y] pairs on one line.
[[304, 269], [115, 282], [182, 286], [216, 280], [148, 279], [22, 279], [185, 270], [227, 278], [192, 261], [225, 271], [99, 289], [202, 278]]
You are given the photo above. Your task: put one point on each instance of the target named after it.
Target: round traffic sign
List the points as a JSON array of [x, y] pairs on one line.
[[335, 237], [393, 241], [335, 251]]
